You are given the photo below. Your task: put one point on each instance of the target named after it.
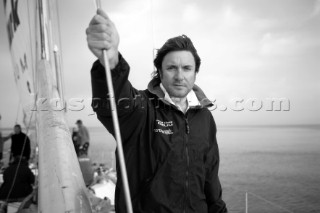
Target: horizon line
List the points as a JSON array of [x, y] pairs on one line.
[[225, 125]]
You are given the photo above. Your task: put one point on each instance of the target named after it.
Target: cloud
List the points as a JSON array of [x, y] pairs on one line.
[[191, 13], [272, 44], [247, 46], [316, 9]]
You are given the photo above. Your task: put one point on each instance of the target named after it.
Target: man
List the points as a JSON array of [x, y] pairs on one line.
[[83, 139], [74, 138], [169, 135], [20, 143]]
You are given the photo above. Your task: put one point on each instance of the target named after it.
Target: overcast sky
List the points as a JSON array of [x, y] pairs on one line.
[[250, 50]]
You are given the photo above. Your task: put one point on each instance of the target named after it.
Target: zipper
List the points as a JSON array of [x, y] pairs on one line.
[[188, 162]]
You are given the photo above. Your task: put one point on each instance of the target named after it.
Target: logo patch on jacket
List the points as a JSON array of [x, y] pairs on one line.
[[164, 127]]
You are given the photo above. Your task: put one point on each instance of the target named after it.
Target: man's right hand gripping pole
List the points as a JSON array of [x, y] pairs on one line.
[[103, 35]]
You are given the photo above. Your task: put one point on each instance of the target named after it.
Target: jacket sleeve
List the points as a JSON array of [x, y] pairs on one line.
[[213, 188], [125, 97]]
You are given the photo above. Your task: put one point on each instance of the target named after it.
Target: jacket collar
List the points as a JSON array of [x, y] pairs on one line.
[[203, 101]]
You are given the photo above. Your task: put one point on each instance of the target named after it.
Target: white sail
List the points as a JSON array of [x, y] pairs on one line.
[[20, 24], [32, 33]]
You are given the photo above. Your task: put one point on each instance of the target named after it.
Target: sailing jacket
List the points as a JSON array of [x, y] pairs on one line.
[[17, 180], [172, 158]]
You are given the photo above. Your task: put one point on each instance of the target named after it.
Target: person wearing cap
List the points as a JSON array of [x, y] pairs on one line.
[[83, 139]]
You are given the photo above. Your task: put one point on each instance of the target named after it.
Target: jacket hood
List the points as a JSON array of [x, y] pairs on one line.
[[154, 88]]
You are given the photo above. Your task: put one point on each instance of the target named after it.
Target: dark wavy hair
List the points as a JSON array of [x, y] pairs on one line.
[[178, 43]]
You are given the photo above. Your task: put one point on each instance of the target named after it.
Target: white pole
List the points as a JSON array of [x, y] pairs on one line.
[[117, 129], [59, 78]]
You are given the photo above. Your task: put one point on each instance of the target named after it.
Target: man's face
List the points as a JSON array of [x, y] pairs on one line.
[[17, 130], [178, 73]]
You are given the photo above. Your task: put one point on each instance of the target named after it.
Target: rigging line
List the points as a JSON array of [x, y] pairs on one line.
[[95, 3], [33, 53], [58, 23], [18, 111], [271, 203], [261, 198], [37, 47], [19, 163], [60, 40], [30, 36]]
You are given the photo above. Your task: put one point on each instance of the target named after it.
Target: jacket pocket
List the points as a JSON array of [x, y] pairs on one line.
[[151, 193]]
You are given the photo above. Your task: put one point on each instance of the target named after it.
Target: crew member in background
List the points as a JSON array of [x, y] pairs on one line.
[[20, 143], [18, 181], [83, 139], [75, 139]]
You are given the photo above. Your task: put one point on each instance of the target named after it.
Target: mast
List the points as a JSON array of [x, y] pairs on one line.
[[61, 186], [44, 46]]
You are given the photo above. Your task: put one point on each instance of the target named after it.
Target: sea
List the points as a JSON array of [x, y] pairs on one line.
[[263, 169]]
